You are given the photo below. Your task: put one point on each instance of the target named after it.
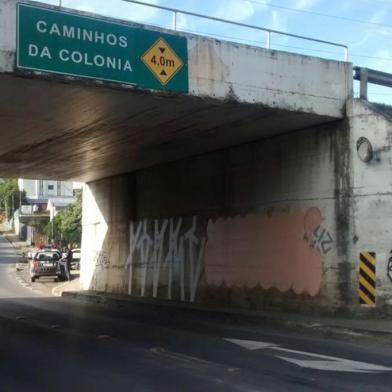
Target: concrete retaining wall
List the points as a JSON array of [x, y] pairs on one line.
[[255, 225], [371, 195], [280, 222]]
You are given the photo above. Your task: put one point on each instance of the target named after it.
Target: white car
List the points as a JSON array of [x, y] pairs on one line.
[[75, 264]]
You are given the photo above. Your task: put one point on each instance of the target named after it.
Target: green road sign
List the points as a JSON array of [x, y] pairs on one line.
[[62, 42]]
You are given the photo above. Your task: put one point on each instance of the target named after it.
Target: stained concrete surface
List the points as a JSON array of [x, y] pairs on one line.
[[58, 130]]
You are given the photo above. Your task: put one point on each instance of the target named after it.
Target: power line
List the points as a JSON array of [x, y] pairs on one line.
[[345, 18]]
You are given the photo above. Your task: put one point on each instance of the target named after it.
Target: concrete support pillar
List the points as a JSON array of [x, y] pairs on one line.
[[107, 207]]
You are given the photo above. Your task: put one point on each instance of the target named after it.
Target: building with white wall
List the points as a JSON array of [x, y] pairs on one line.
[[45, 189], [44, 199], [47, 195]]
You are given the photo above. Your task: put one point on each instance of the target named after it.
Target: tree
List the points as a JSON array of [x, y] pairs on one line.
[[66, 226], [10, 196]]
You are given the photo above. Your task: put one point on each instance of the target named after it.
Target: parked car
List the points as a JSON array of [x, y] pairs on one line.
[[45, 263], [31, 253], [75, 264]]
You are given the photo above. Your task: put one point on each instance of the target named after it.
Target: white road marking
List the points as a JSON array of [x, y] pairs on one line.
[[323, 362], [338, 365], [251, 344]]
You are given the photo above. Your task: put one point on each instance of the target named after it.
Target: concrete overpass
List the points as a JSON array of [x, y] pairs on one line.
[[62, 126], [217, 172]]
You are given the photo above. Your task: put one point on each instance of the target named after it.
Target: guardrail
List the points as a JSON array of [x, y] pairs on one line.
[[269, 32], [366, 75]]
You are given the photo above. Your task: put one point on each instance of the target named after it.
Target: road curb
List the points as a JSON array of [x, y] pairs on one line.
[[56, 291], [285, 319]]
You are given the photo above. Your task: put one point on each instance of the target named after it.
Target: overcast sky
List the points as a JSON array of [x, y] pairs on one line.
[[364, 25]]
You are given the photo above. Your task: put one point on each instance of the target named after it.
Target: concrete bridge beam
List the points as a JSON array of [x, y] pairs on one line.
[[236, 94]]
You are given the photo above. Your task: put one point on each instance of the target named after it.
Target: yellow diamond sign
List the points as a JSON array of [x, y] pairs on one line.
[[162, 61]]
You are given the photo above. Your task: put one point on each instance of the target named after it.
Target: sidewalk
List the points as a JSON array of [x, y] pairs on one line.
[[13, 239], [330, 325], [20, 246]]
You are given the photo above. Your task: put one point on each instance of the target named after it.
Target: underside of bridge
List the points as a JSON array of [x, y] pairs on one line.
[[58, 129]]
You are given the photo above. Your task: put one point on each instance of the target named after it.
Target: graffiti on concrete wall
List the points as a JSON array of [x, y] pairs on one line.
[[101, 259], [322, 240], [164, 252], [279, 249], [315, 234]]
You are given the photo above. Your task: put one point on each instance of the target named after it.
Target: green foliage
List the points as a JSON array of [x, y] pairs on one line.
[[66, 226], [9, 195]]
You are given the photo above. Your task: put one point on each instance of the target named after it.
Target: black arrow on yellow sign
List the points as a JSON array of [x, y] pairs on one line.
[[162, 61]]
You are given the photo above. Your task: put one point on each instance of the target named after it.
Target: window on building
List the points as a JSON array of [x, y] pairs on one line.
[[50, 187]]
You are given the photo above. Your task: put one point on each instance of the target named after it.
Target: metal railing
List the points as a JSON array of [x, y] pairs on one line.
[[269, 32], [366, 75]]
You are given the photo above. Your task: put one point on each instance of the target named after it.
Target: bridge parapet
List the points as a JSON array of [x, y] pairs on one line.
[[217, 69], [121, 96]]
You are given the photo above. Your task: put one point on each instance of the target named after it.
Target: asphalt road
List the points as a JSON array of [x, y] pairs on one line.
[[50, 344]]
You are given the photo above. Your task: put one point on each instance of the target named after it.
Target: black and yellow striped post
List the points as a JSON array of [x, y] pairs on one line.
[[367, 278]]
